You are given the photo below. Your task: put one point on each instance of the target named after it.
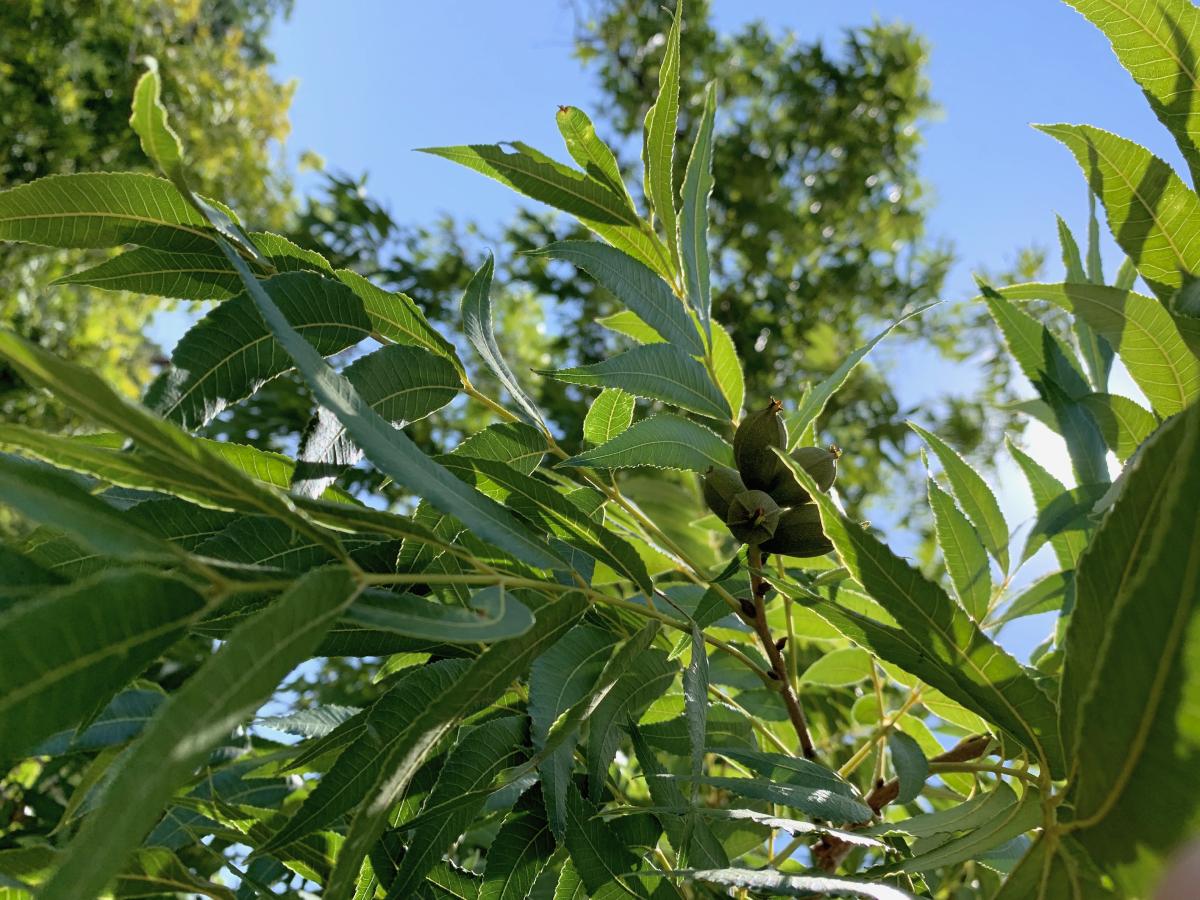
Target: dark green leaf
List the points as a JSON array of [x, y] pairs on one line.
[[663, 441], [912, 768], [693, 214]]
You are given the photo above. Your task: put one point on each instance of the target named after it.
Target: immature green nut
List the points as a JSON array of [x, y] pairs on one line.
[[753, 516], [753, 441], [818, 462], [720, 485], [798, 534]]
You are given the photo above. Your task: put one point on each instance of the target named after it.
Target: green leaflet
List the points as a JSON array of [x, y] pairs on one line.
[[639, 288], [1056, 375], [538, 502], [103, 210], [693, 214], [1137, 591], [477, 325], [814, 402], [658, 149], [817, 802], [167, 518], [1049, 495], [68, 650], [589, 151], [599, 856], [965, 556], [976, 498], [663, 441], [473, 763], [592, 202], [642, 680], [226, 689], [727, 368], [149, 121], [88, 395], [657, 372], [1151, 212], [488, 676], [230, 353], [390, 450], [191, 276], [912, 768], [1047, 594], [626, 322], [403, 384], [152, 871], [771, 882], [934, 638], [1156, 44], [1145, 336], [360, 764], [839, 668], [494, 615], [520, 852], [608, 416], [1096, 351], [560, 678], [695, 694], [316, 722], [122, 719], [398, 318], [1123, 423], [1014, 819], [52, 498]]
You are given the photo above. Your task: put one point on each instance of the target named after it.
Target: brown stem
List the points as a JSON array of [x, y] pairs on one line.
[[795, 712], [830, 851]]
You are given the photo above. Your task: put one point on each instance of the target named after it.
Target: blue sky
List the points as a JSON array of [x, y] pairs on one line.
[[381, 78]]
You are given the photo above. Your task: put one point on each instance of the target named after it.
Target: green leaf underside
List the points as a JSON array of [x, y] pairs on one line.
[[965, 556], [974, 496], [1137, 591], [608, 416], [936, 640], [1144, 335], [693, 215], [403, 384], [226, 689], [592, 202], [658, 151], [663, 441], [773, 882], [656, 372], [641, 290], [230, 353], [68, 650]]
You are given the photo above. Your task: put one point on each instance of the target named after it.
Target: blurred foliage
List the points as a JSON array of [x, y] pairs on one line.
[[67, 71]]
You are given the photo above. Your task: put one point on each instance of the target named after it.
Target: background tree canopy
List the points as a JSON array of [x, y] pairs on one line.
[[67, 71]]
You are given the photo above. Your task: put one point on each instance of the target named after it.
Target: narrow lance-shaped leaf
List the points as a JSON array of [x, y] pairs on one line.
[[1047, 490], [402, 384], [226, 689], [230, 353], [477, 326], [912, 768], [976, 498], [520, 852], [66, 651], [639, 288], [1152, 214], [693, 215], [658, 148], [49, 497], [204, 461], [494, 614], [1156, 43], [103, 210], [965, 556], [473, 763], [391, 451], [1129, 707], [149, 121], [488, 676], [589, 151], [656, 372], [608, 416], [592, 202], [934, 638], [1123, 423], [695, 692], [1145, 336], [777, 883], [663, 441], [1097, 353], [814, 402]]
